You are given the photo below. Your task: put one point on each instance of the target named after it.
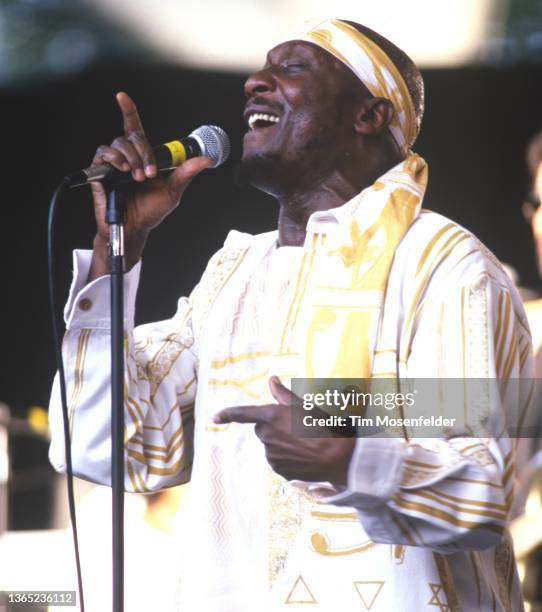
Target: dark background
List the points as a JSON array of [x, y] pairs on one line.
[[476, 126]]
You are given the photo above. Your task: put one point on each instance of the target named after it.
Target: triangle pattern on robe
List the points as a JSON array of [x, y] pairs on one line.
[[368, 591], [300, 593]]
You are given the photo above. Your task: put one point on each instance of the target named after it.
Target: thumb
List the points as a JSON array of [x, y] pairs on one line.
[[183, 174], [282, 394]]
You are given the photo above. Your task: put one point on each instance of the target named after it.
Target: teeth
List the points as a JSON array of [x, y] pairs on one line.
[[261, 117]]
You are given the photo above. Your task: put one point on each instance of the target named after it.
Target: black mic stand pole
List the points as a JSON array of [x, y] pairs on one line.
[[115, 218]]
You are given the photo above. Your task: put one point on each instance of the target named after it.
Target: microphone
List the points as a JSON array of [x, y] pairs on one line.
[[208, 140]]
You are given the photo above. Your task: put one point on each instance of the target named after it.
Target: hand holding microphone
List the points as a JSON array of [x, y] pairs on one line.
[[208, 141], [151, 196]]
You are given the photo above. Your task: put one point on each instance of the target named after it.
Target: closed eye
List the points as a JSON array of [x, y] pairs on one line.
[[294, 66]]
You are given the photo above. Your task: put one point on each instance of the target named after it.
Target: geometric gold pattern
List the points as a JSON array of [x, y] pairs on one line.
[[300, 593], [368, 591], [436, 589], [320, 543]]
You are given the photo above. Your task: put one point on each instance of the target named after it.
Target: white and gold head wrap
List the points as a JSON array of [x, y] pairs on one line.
[[372, 66]]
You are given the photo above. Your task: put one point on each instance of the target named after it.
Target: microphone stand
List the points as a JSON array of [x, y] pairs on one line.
[[115, 218]]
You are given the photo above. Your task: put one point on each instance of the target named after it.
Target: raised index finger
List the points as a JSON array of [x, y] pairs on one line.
[[130, 116]]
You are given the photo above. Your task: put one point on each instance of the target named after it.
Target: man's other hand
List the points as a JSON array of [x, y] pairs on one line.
[[311, 459]]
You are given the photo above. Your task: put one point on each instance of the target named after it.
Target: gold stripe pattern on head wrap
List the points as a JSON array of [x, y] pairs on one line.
[[373, 68]]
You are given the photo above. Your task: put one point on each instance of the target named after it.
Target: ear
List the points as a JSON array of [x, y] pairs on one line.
[[373, 116]]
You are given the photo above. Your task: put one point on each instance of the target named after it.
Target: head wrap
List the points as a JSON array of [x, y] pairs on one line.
[[373, 68]]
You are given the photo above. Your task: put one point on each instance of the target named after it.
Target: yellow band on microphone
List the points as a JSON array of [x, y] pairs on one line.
[[178, 152]]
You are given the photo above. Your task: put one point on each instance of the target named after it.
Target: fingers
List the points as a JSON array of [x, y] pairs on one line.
[[130, 116], [282, 394], [125, 156], [98, 193], [246, 414], [143, 147], [109, 155], [259, 414], [133, 152], [132, 157], [135, 145]]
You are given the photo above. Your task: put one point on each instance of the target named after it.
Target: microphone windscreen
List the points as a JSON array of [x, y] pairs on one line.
[[214, 142]]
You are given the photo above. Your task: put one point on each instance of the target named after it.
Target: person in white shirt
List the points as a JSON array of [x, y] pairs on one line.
[[357, 282]]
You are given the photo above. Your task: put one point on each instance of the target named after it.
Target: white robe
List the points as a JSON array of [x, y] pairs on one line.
[[422, 524]]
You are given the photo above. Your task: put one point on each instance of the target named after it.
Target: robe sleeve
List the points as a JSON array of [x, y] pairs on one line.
[[451, 492], [160, 386]]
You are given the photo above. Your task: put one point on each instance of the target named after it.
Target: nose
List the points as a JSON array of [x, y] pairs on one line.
[[260, 82]]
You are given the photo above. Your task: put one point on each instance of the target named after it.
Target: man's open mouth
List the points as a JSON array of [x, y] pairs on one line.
[[262, 120]]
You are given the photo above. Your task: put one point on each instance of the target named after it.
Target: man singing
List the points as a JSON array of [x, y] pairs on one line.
[[357, 282]]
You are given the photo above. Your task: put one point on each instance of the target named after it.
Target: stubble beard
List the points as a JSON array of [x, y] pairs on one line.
[[261, 170], [272, 172]]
